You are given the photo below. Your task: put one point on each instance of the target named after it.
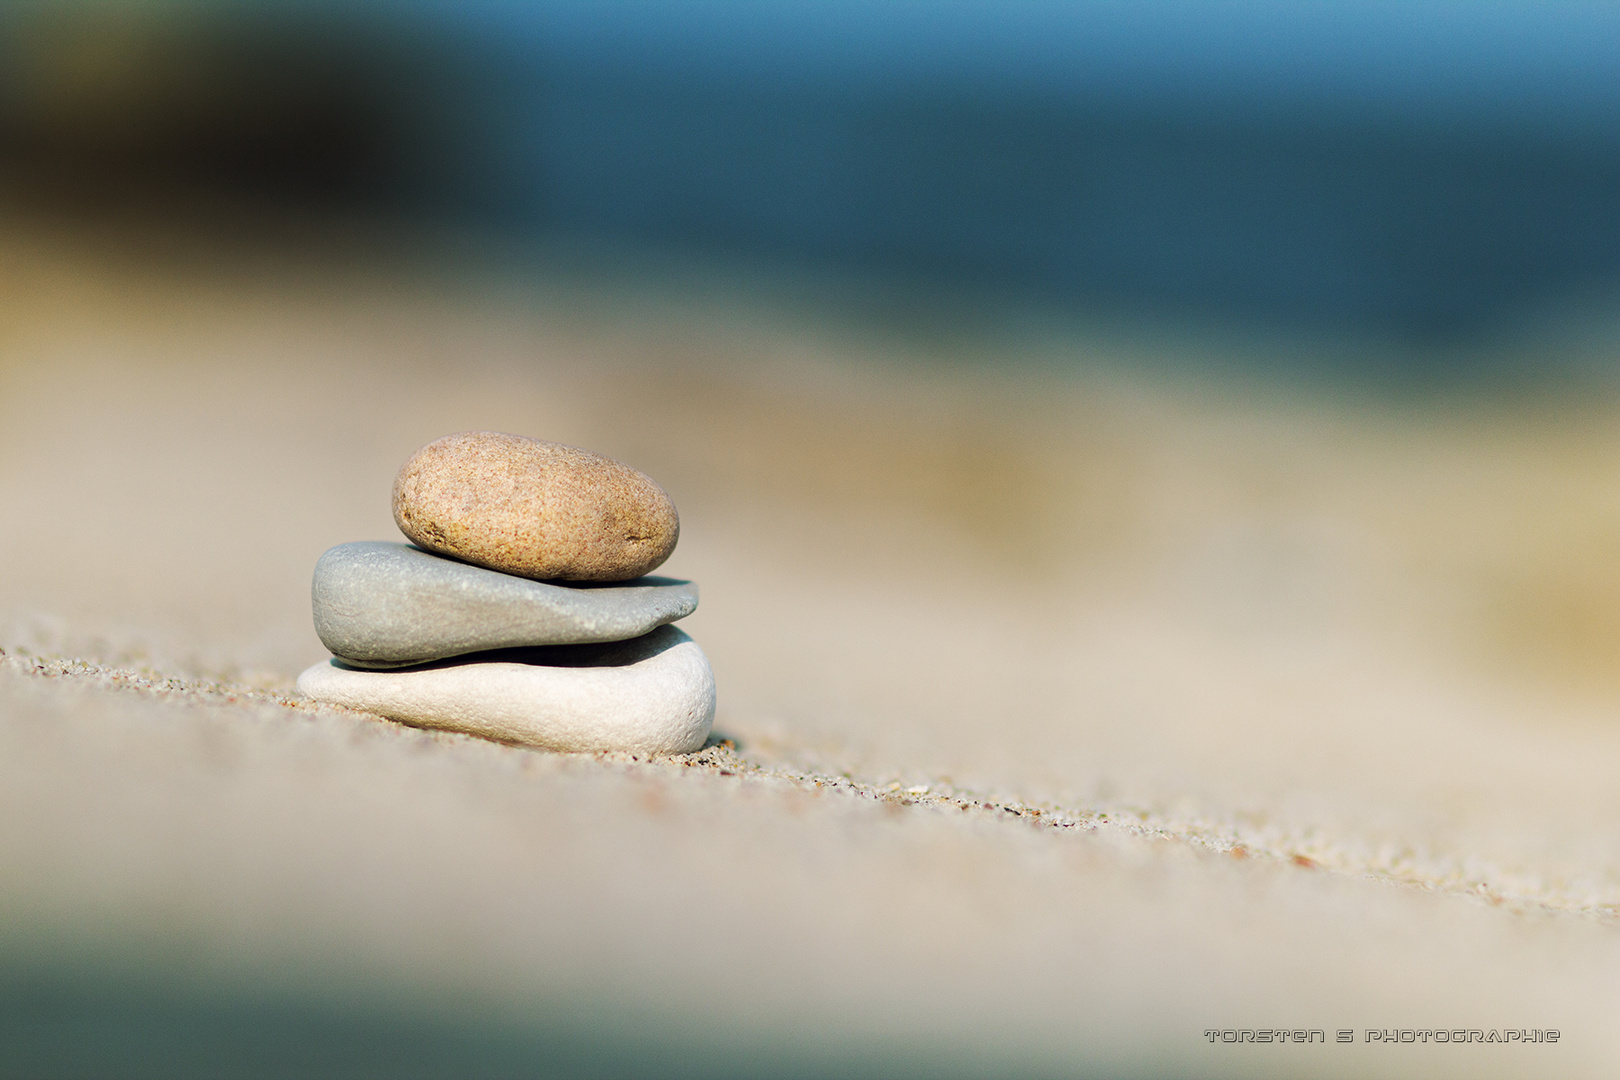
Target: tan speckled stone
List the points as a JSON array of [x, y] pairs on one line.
[[536, 509]]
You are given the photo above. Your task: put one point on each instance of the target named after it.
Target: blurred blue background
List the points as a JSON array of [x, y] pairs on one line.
[[1417, 173]]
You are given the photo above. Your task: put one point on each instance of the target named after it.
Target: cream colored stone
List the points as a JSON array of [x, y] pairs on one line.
[[535, 509], [650, 695]]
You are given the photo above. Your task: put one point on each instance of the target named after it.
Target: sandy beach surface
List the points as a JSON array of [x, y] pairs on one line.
[[1075, 704]]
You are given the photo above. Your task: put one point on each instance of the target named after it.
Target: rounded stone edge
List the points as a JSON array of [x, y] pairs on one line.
[[329, 683], [338, 637], [431, 538]]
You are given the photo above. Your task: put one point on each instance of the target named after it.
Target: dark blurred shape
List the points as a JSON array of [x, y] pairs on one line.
[[100, 1020], [1425, 207], [128, 104]]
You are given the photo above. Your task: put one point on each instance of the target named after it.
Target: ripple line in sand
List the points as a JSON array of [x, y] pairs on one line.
[[1420, 871]]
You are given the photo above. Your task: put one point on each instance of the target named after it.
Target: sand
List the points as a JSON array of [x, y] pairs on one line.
[[1076, 701]]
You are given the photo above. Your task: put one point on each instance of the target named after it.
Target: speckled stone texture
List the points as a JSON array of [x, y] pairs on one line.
[[651, 695], [380, 604], [537, 509]]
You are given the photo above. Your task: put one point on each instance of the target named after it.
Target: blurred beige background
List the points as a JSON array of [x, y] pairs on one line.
[[1319, 682]]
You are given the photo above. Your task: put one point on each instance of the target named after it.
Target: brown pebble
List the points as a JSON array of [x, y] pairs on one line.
[[535, 509]]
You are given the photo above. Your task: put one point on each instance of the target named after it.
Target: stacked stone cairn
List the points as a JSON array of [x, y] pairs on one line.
[[521, 610]]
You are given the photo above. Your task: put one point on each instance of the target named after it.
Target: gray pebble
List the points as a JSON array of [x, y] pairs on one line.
[[383, 605]]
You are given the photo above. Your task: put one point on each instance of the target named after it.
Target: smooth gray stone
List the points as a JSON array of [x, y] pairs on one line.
[[652, 695], [383, 605]]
